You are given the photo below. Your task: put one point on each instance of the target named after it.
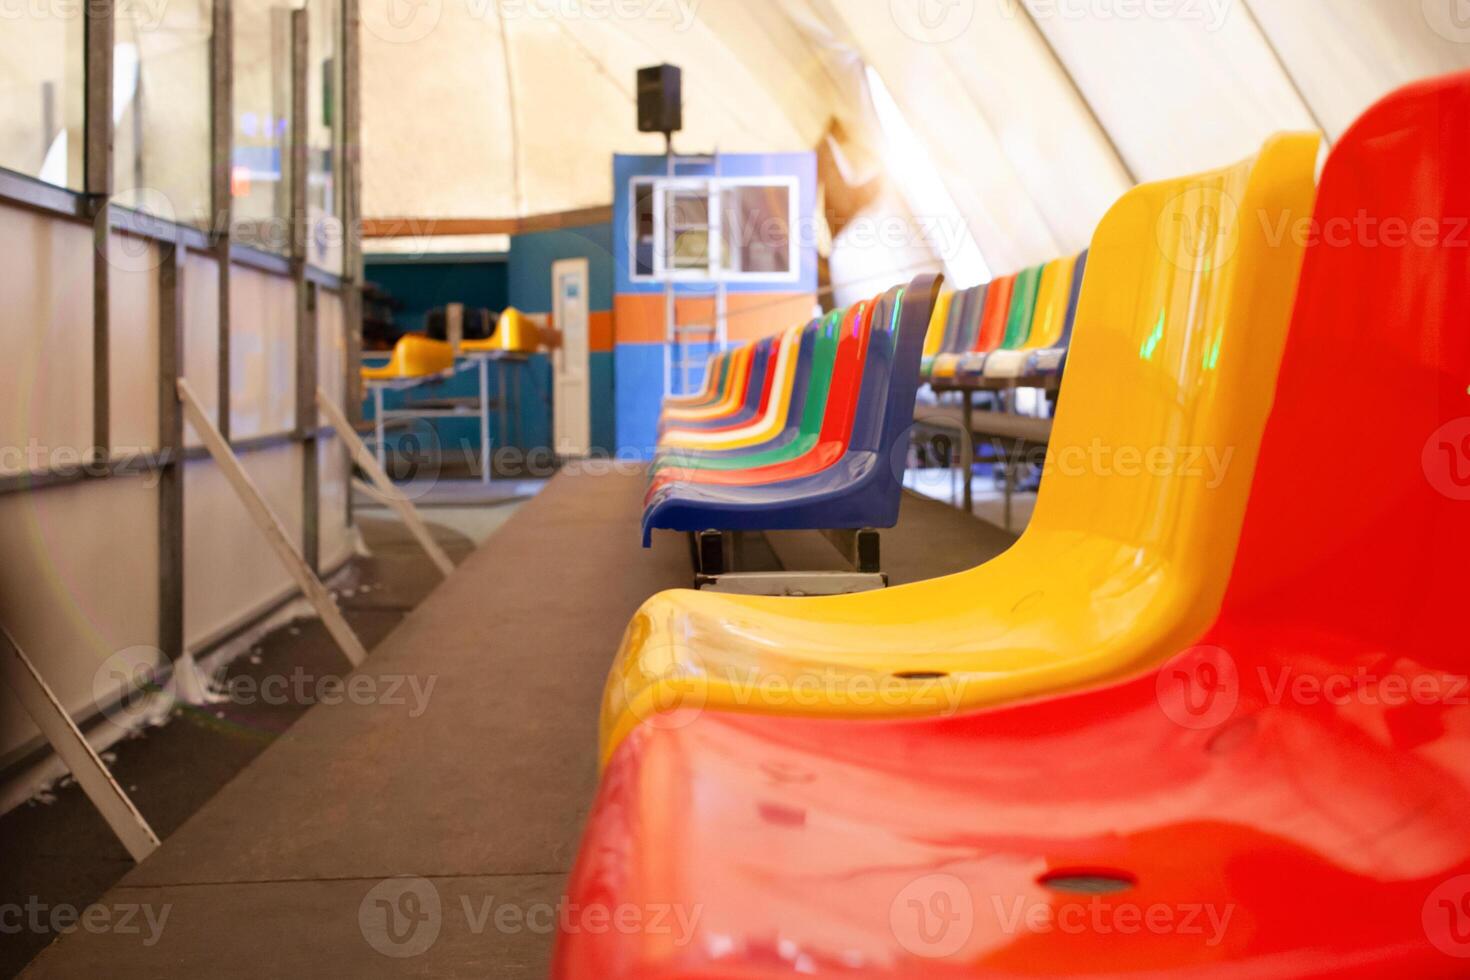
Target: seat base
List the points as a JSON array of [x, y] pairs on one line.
[[739, 562]]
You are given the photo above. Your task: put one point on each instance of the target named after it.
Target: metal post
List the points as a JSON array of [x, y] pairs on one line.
[[380, 428], [97, 164], [31, 689], [352, 266], [309, 423], [306, 340], [222, 206], [484, 365], [967, 450], [171, 450]]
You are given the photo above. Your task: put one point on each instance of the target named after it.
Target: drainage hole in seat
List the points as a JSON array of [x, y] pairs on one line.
[[1088, 881]]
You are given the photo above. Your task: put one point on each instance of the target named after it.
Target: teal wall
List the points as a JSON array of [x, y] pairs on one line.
[[475, 281], [531, 256]]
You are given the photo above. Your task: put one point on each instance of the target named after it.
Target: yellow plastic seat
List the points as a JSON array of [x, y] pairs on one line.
[[513, 333], [1174, 355], [768, 426], [934, 339], [414, 356], [730, 399]]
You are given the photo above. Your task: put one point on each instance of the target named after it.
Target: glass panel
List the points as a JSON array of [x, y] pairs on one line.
[[41, 96], [258, 177], [323, 128], [643, 228], [161, 109], [689, 229], [756, 229]]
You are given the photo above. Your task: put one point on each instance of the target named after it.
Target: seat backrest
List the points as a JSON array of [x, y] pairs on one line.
[[1074, 295], [1023, 308], [807, 415], [1051, 304], [993, 318], [969, 325], [721, 369], [867, 425], [905, 325], [790, 384], [841, 413], [1371, 560], [755, 379], [934, 339], [1173, 362], [768, 381]]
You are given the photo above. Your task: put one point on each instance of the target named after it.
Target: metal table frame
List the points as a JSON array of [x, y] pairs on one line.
[[509, 383]]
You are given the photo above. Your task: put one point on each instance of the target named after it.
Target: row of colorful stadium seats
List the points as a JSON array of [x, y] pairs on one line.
[[1102, 751], [799, 431], [1017, 326]]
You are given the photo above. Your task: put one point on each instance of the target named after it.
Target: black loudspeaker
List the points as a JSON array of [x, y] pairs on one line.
[[660, 99]]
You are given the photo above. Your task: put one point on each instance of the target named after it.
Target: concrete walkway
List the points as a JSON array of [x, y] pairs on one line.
[[425, 825]]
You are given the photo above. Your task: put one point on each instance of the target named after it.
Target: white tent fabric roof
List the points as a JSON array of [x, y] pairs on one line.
[[1037, 114]]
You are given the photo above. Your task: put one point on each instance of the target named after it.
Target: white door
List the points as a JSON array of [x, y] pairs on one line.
[[573, 405]]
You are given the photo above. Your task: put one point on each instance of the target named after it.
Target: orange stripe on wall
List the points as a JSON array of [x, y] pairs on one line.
[[599, 329], [640, 316]]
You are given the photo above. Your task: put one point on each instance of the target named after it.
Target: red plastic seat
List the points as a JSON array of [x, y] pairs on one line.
[[1289, 797]]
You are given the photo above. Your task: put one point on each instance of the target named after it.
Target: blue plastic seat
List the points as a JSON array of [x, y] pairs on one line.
[[862, 489]]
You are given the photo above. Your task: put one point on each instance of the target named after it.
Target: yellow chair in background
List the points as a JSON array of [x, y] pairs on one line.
[[1174, 354], [414, 356], [514, 333]]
